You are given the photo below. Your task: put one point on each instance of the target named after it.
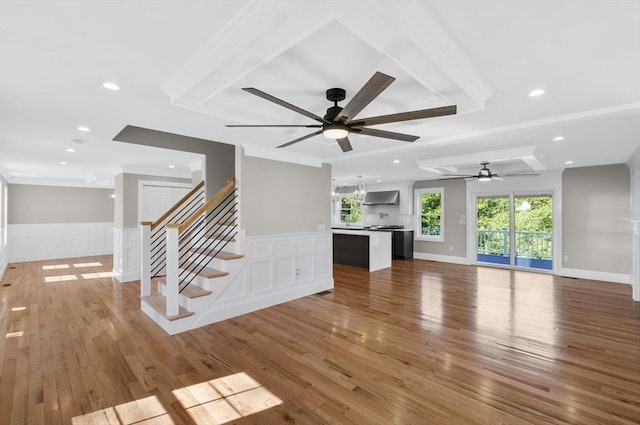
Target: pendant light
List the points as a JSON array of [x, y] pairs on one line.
[[361, 190]]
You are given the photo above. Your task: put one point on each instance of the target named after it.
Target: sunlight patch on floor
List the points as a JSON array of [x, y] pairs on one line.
[[96, 275], [60, 278], [225, 399], [55, 266], [218, 401], [142, 411], [15, 334], [81, 265]]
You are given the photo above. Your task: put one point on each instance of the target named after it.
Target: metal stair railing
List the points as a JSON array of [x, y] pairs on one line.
[[194, 243], [153, 242]]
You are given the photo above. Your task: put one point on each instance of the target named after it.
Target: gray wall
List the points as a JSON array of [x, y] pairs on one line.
[[31, 204], [126, 215], [219, 157], [455, 206], [595, 200], [279, 197], [3, 249]]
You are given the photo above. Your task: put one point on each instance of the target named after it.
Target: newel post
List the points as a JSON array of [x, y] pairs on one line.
[[145, 259], [173, 232]]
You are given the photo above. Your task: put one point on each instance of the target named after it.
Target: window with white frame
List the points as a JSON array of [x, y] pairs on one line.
[[350, 209], [429, 204]]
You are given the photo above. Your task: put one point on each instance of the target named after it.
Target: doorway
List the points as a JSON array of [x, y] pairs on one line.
[[515, 230], [155, 198]]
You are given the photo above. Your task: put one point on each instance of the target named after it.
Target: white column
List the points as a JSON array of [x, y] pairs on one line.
[[145, 258], [172, 269]]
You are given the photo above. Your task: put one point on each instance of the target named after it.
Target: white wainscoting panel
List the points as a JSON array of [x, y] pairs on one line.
[[35, 242], [257, 273], [288, 261], [275, 269], [126, 254]]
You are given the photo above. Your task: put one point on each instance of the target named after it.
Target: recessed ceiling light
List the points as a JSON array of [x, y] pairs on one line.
[[568, 162], [71, 150], [62, 163], [396, 161], [558, 138], [172, 166], [110, 86], [83, 128], [536, 92], [379, 181]]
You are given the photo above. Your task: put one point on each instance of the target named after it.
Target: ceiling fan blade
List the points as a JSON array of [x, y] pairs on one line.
[[367, 93], [287, 105], [407, 116], [460, 178], [457, 175], [387, 134], [270, 125], [519, 174], [345, 145], [300, 139]]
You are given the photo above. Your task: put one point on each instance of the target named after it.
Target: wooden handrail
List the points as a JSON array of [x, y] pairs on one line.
[[215, 198], [170, 211]]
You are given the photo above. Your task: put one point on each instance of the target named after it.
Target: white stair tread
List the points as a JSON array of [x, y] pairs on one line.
[[222, 255], [159, 303], [195, 291], [190, 291], [207, 272]]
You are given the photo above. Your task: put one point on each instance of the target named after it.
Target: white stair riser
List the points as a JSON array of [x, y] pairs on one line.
[[195, 305]]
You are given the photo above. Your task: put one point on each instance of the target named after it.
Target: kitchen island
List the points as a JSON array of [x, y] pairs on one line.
[[362, 248]]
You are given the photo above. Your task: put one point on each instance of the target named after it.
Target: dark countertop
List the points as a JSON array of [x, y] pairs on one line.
[[374, 228]]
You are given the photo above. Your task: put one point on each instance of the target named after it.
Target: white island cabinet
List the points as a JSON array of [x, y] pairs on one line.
[[362, 248]]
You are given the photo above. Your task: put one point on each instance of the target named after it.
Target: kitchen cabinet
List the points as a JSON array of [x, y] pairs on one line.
[[402, 244], [362, 248]]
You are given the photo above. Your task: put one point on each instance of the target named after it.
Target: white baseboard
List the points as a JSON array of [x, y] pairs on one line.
[[441, 258], [125, 277], [595, 275]]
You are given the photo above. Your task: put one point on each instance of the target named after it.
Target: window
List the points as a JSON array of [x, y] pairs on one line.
[[350, 209], [430, 214]]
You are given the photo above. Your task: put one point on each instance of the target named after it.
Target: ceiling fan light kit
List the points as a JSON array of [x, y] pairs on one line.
[[339, 122], [335, 131], [485, 175]]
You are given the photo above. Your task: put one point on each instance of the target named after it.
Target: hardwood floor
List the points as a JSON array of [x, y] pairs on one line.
[[421, 343]]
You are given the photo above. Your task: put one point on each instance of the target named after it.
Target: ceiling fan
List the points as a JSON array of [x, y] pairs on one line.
[[485, 174], [339, 122]]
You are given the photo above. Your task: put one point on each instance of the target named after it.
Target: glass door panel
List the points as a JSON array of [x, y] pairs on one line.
[[533, 230], [493, 230]]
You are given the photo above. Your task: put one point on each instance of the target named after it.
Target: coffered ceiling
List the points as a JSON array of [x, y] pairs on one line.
[[181, 65]]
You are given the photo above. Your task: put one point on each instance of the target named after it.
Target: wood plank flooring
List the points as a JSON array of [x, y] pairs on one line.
[[420, 343]]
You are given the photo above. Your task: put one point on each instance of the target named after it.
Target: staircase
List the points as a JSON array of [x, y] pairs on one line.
[[190, 256]]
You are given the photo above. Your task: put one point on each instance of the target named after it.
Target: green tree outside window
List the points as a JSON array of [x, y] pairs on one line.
[[350, 209], [431, 215]]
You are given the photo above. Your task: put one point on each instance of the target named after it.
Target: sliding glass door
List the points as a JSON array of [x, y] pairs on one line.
[[515, 230], [533, 229], [493, 235]]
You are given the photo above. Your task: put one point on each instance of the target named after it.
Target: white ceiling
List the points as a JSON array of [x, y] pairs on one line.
[[181, 65]]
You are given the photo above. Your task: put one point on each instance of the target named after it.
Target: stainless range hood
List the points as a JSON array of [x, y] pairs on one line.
[[387, 197]]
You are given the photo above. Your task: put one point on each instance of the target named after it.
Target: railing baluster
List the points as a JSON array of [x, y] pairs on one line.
[[173, 307], [145, 259]]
